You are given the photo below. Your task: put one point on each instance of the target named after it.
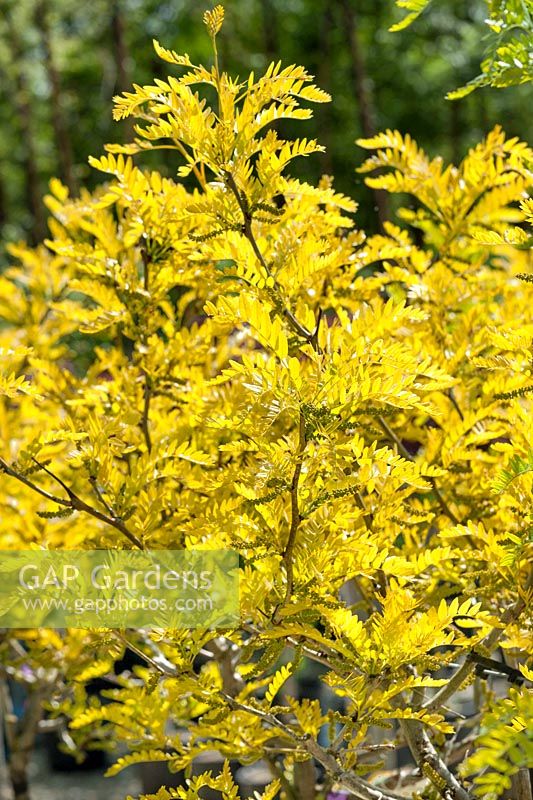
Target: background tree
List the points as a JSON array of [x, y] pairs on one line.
[[379, 80]]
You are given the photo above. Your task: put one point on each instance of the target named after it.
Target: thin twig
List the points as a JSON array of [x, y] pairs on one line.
[[145, 419], [248, 232], [367, 515], [94, 483], [425, 755], [26, 481], [469, 665], [198, 173], [454, 402], [74, 501], [360, 789], [145, 423], [313, 655], [295, 510], [407, 455], [346, 780]]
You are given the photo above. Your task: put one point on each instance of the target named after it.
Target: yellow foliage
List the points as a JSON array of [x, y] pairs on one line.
[[207, 367]]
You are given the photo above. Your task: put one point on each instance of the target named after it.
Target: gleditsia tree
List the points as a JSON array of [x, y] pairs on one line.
[[237, 366]]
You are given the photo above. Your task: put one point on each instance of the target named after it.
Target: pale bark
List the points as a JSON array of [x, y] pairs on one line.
[[305, 780], [521, 787]]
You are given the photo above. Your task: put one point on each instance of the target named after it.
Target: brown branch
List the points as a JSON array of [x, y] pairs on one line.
[[520, 786], [145, 424], [466, 669], [297, 644], [425, 755], [312, 339], [367, 515], [198, 172], [454, 403], [248, 232], [74, 501], [4, 467], [407, 455], [21, 734], [99, 494], [80, 505], [360, 789], [295, 510], [305, 779]]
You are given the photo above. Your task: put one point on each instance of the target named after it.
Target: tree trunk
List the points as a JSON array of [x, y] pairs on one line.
[[483, 115], [520, 788], [21, 732], [455, 130], [270, 28], [324, 81], [362, 90], [23, 108], [521, 782], [121, 57], [61, 134], [305, 780], [18, 774], [4, 772]]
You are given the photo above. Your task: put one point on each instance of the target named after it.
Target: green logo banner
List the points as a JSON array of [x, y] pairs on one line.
[[119, 589]]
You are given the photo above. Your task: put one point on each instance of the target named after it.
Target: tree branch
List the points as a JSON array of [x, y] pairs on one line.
[[295, 509], [426, 756], [407, 455], [145, 424], [4, 466], [361, 789], [358, 787], [248, 232], [74, 501], [466, 669]]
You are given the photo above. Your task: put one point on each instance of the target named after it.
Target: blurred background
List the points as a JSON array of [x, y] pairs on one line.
[[61, 62]]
